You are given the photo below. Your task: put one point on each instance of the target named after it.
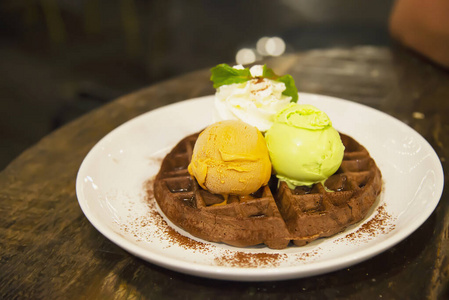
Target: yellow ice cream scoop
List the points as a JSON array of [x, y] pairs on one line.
[[231, 157], [304, 147]]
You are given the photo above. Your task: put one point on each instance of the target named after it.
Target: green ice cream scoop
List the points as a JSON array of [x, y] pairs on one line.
[[304, 147]]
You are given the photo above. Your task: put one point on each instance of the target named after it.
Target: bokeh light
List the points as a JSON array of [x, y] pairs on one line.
[[261, 44], [245, 56], [265, 46], [275, 46]]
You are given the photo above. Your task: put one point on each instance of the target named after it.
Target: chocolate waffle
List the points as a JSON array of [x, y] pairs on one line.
[[275, 214]]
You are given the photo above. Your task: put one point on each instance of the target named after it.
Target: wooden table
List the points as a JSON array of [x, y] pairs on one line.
[[48, 249]]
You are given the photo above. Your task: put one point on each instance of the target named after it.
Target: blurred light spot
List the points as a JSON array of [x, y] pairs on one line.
[[275, 46], [245, 56], [270, 46], [261, 44], [418, 115]]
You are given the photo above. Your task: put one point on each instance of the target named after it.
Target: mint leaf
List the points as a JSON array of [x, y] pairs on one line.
[[290, 87], [269, 73], [224, 74]]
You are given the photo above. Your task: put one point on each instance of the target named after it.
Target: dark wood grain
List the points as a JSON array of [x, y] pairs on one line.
[[48, 249]]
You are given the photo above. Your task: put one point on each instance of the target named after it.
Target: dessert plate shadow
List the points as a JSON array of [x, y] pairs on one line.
[[114, 191]]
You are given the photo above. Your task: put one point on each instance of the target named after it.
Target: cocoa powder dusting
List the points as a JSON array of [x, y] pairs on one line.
[[169, 233], [381, 223], [248, 260], [176, 238], [307, 255]]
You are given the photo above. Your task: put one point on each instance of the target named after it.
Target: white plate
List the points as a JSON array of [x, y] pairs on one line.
[[111, 180]]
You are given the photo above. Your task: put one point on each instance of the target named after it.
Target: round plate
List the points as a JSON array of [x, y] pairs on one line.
[[115, 193]]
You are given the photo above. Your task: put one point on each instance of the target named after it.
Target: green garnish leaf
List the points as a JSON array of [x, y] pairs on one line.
[[290, 87], [269, 73], [224, 74]]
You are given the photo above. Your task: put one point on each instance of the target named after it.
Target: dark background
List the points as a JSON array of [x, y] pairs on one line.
[[61, 58]]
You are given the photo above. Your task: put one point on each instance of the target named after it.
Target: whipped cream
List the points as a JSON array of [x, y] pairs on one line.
[[255, 102]]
